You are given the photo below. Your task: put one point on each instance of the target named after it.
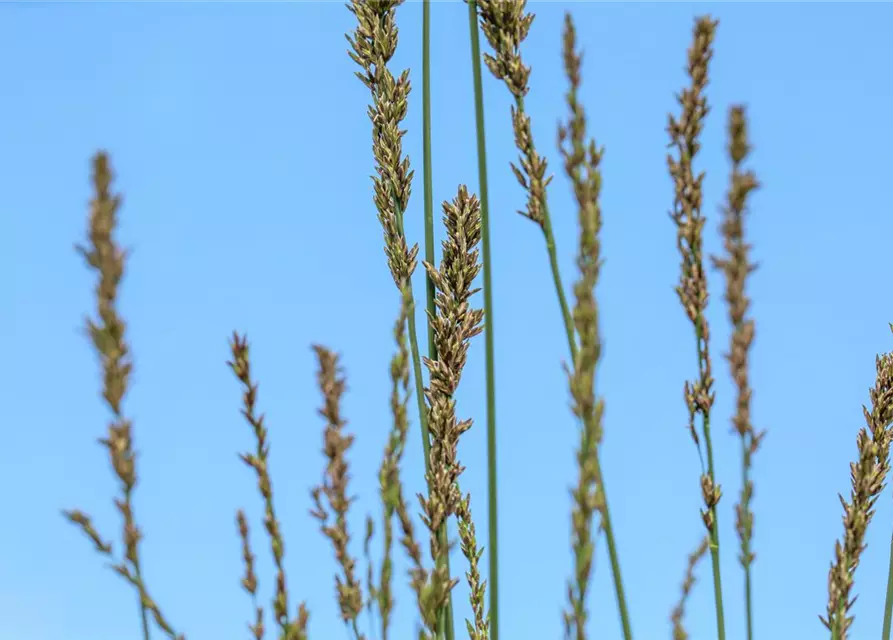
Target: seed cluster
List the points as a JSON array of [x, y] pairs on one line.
[[107, 259], [868, 475], [454, 324]]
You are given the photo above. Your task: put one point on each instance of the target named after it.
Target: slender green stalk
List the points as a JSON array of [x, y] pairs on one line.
[[746, 549], [488, 322], [714, 538], [684, 131], [447, 626], [613, 556], [419, 387], [581, 162], [553, 263], [888, 603]]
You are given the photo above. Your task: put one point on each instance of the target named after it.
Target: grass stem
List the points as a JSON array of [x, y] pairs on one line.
[[488, 320], [714, 538], [447, 624], [888, 602]]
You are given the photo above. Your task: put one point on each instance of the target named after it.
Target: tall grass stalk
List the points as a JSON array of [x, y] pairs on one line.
[[455, 323], [582, 160], [493, 511], [692, 289], [258, 461], [868, 475], [104, 256], [506, 25], [737, 267], [427, 170]]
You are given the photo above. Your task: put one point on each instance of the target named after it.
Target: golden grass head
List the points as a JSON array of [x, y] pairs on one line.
[[373, 44], [454, 324]]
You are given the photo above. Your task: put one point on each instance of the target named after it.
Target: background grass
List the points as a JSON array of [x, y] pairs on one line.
[[242, 152]]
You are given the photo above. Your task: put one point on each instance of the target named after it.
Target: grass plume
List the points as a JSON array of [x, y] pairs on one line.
[[373, 44], [685, 134], [737, 267], [455, 323], [104, 256], [581, 162], [258, 460], [868, 475]]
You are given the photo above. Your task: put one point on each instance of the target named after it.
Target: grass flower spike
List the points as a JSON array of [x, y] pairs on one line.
[[104, 256], [868, 475], [259, 461], [736, 265], [455, 323], [684, 134]]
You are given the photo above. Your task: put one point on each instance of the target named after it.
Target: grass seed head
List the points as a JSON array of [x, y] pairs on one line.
[[334, 486], [107, 332], [868, 476]]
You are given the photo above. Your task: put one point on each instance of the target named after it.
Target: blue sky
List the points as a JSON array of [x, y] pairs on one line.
[[241, 145]]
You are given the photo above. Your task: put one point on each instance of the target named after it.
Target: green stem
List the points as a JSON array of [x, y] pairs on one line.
[[714, 538], [745, 542], [417, 374], [143, 613], [888, 603], [553, 263], [559, 287], [488, 315], [613, 556], [446, 625]]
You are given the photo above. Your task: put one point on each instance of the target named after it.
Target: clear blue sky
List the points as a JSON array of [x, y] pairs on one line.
[[239, 136]]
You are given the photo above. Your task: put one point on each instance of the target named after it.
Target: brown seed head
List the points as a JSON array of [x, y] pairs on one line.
[[737, 266], [107, 332], [453, 325], [868, 475], [334, 486], [684, 134], [373, 45], [259, 461]]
